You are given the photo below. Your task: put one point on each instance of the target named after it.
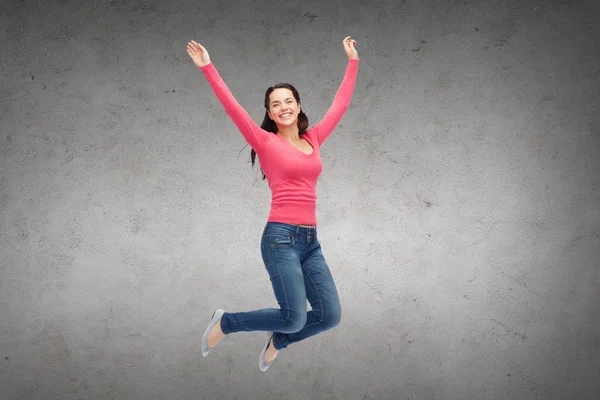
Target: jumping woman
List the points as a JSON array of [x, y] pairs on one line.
[[290, 159]]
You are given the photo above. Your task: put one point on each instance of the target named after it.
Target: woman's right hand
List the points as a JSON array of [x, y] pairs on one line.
[[198, 54]]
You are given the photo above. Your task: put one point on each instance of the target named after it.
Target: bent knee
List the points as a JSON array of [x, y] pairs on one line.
[[294, 322], [332, 317]]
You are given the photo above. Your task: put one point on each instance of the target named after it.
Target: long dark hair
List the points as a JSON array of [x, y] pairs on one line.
[[269, 125]]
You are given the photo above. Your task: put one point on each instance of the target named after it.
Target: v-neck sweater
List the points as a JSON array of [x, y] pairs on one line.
[[292, 174]]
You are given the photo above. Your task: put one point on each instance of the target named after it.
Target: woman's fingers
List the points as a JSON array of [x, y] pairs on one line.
[[349, 43], [199, 47], [193, 46]]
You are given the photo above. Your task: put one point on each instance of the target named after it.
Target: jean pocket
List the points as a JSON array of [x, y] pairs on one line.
[[281, 239]]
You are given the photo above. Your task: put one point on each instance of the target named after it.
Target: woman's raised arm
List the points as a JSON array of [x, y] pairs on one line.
[[341, 101], [253, 134]]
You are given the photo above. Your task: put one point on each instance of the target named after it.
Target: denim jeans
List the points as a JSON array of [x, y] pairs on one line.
[[298, 272]]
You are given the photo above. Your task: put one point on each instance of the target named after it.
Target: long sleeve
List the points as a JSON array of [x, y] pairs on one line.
[[254, 135], [341, 102]]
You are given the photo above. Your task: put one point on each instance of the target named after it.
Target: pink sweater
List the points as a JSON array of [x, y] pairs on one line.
[[292, 174]]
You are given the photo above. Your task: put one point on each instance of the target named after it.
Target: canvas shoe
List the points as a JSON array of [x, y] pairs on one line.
[[261, 360], [216, 318]]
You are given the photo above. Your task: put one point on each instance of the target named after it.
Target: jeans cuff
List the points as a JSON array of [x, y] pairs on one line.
[[275, 340], [224, 324]]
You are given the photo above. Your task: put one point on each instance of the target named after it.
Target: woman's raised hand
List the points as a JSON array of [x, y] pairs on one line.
[[201, 58], [349, 47], [198, 54]]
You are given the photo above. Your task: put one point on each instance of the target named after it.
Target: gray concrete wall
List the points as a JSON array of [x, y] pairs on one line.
[[459, 205]]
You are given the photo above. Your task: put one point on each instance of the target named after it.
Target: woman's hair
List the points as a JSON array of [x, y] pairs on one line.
[[269, 125]]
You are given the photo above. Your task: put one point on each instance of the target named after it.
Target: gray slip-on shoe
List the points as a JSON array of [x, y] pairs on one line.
[[216, 318], [261, 360]]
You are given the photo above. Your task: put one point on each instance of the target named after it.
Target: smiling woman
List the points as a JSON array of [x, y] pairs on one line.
[[284, 106], [290, 157], [285, 118]]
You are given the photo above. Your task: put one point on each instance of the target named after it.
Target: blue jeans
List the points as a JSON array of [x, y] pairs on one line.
[[298, 271]]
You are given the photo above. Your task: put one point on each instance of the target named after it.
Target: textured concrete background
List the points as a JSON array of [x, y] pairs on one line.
[[459, 205]]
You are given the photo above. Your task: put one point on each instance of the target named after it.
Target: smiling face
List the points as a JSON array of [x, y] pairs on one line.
[[283, 107]]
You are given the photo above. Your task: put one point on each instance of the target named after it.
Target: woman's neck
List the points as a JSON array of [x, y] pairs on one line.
[[289, 132]]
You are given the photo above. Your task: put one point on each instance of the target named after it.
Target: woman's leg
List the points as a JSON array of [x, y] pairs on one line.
[[281, 254], [322, 295]]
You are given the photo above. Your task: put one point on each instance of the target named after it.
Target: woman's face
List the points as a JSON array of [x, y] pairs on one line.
[[283, 107]]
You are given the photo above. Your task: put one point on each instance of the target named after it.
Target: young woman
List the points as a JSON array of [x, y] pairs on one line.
[[290, 159]]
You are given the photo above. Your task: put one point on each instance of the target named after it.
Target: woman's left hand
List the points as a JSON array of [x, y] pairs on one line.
[[349, 47]]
